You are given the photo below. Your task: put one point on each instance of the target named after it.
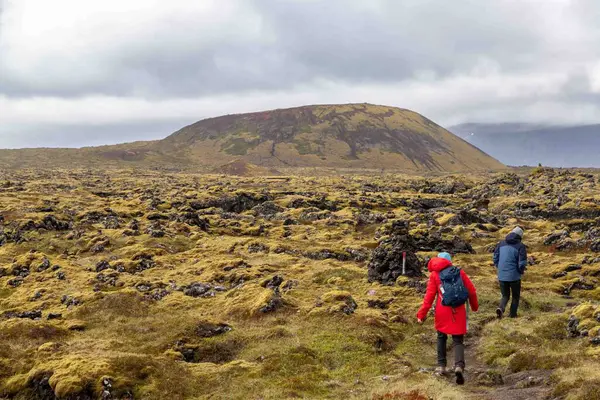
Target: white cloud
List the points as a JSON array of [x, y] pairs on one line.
[[62, 44], [443, 98], [593, 72]]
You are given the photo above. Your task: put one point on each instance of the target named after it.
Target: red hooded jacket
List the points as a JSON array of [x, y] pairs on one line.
[[447, 320]]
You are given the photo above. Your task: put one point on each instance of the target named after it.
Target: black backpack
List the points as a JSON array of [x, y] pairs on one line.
[[454, 292]]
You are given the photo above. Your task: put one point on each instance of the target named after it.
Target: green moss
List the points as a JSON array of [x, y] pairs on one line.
[[585, 311], [534, 359], [344, 274], [577, 389], [553, 328], [299, 371], [114, 305], [305, 129], [305, 147], [239, 146], [319, 338]]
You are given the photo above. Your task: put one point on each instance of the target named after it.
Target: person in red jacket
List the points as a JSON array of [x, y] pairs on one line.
[[448, 320]]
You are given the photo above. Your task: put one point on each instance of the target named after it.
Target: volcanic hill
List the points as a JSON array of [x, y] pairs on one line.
[[338, 136]]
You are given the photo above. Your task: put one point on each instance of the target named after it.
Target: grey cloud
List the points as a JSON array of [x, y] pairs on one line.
[[338, 40], [401, 39]]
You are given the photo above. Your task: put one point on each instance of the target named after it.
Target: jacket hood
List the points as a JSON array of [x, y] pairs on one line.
[[513, 238], [437, 264]]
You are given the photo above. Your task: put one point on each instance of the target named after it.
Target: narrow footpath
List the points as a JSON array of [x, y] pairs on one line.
[[486, 383]]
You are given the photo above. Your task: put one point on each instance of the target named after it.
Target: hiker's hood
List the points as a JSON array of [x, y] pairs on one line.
[[437, 264], [513, 238]]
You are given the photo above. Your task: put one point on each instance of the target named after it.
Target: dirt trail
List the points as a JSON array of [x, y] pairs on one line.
[[486, 383]]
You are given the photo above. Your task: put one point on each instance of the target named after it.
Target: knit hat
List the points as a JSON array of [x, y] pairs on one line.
[[518, 231], [445, 255]]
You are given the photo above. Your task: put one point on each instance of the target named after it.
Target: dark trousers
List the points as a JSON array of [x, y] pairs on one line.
[[506, 288], [459, 349]]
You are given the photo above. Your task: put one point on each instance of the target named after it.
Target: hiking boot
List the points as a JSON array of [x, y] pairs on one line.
[[441, 371], [499, 313], [460, 375]]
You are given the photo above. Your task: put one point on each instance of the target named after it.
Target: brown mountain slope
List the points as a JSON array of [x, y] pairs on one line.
[[353, 135], [340, 136]]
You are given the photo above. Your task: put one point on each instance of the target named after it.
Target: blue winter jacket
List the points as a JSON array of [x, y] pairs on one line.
[[510, 258]]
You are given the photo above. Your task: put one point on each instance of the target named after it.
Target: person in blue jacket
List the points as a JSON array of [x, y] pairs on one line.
[[510, 259]]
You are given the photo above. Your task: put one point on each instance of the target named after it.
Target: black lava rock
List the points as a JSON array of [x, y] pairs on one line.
[[387, 259]]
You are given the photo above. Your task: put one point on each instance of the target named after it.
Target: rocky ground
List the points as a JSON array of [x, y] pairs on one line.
[[141, 285]]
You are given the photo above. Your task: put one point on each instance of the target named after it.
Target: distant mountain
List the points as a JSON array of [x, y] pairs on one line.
[[339, 136], [531, 144]]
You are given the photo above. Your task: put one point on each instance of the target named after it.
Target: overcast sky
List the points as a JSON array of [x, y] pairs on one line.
[[78, 72]]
